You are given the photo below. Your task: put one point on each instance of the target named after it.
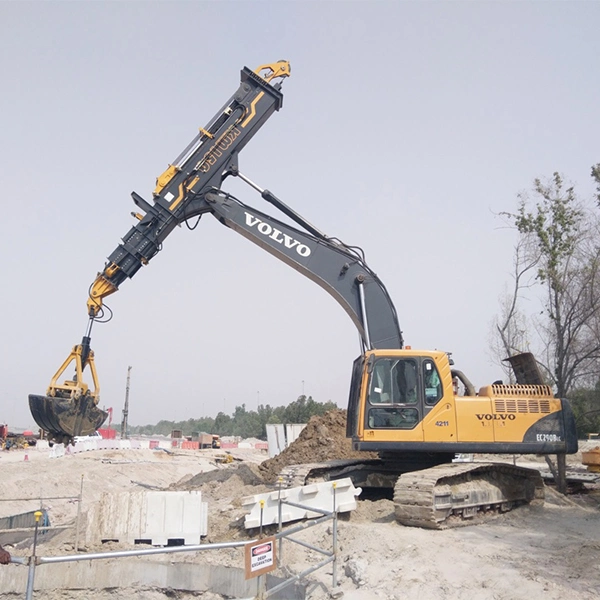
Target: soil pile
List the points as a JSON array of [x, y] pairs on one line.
[[323, 438], [247, 473]]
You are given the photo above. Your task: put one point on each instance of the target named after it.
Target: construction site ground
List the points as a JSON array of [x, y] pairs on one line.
[[549, 552]]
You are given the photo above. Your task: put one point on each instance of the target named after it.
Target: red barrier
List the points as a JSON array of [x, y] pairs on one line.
[[153, 444], [229, 445], [185, 445]]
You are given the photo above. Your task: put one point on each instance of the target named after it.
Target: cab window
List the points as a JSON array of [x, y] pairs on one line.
[[394, 381], [393, 417], [393, 394], [432, 383]]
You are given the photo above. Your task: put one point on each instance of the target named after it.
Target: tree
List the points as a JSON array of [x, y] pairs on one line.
[[586, 408], [596, 178], [510, 334], [223, 424], [559, 253], [302, 409], [243, 423]]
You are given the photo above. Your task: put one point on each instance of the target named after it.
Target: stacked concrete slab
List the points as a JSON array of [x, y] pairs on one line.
[[327, 495], [153, 517]]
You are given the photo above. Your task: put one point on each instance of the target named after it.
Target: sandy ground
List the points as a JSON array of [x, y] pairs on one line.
[[550, 552]]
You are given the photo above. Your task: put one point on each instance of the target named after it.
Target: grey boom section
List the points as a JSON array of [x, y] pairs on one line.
[[330, 264]]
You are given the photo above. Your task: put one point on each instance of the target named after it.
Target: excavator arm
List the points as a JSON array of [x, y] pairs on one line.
[[339, 269], [180, 190], [189, 188], [71, 409]]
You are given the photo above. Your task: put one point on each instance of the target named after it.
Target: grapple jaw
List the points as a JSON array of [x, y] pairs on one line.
[[70, 409], [65, 418]]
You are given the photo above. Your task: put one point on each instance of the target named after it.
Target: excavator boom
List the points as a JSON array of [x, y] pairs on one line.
[[337, 268]]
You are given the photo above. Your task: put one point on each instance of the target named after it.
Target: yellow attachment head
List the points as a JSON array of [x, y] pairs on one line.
[[281, 68], [101, 288], [76, 387]]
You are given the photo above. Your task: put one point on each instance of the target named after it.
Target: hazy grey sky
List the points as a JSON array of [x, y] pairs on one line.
[[405, 127]]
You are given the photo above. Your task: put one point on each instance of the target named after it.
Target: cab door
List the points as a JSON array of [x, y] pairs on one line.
[[439, 415], [393, 402]]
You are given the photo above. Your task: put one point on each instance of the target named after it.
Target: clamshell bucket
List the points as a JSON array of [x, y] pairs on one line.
[[65, 417], [70, 409]]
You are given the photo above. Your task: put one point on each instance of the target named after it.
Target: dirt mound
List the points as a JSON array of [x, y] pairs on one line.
[[323, 438], [248, 475]]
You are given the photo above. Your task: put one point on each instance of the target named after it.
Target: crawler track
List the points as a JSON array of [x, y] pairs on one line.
[[302, 474], [459, 494]]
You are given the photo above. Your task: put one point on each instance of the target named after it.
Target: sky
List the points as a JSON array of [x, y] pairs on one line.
[[406, 128]]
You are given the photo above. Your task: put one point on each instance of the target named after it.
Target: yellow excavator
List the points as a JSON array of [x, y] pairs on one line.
[[411, 407]]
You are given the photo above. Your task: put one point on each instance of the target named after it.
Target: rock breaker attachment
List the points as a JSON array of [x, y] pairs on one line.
[[70, 409]]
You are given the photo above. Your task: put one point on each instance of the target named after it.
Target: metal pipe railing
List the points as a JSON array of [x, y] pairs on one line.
[[125, 553], [33, 561], [43, 528]]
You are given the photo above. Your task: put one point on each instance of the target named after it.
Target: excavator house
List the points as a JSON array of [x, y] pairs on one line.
[[409, 406]]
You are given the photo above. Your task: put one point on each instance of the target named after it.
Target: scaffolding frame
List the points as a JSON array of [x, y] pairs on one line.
[[331, 556]]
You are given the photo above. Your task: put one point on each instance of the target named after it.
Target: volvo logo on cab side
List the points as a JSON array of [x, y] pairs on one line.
[[497, 417], [281, 238]]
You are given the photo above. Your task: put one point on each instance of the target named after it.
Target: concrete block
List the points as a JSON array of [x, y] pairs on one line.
[[150, 516], [109, 444], [275, 439], [57, 451], [175, 515], [292, 431], [280, 437], [85, 446], [116, 577], [317, 495]]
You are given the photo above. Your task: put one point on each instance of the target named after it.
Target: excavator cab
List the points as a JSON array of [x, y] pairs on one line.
[[70, 409], [405, 400]]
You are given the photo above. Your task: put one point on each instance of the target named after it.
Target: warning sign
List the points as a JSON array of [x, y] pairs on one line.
[[260, 557]]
